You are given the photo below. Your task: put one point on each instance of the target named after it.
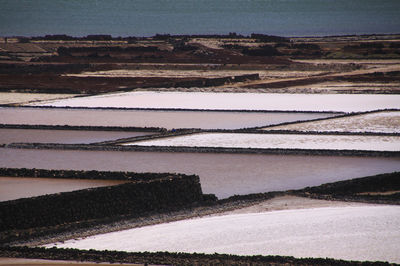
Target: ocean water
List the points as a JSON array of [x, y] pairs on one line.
[[149, 17]]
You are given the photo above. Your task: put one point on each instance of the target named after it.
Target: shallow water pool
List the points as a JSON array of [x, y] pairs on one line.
[[148, 118], [12, 188], [8, 135], [222, 174]]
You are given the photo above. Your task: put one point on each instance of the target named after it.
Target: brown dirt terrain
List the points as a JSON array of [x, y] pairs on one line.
[[63, 84], [45, 64]]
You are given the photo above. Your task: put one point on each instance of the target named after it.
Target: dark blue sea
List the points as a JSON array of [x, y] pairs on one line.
[[150, 17]]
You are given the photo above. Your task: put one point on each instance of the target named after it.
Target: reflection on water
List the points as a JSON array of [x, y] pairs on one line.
[[222, 174], [8, 135], [24, 187], [165, 119]]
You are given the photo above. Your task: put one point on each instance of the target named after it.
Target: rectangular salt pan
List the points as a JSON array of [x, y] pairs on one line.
[[11, 135], [279, 141], [377, 122], [235, 101], [136, 118], [222, 174], [350, 233]]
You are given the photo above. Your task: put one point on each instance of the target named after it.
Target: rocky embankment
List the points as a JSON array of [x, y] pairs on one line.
[[167, 258]]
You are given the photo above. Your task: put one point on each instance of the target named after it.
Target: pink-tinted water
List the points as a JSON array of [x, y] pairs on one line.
[[221, 174], [165, 119], [24, 187], [8, 135], [235, 101]]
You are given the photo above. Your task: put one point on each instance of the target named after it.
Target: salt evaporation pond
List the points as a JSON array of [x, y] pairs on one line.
[[377, 122], [12, 188], [135, 118], [9, 135], [222, 174], [279, 141], [235, 101], [367, 233]]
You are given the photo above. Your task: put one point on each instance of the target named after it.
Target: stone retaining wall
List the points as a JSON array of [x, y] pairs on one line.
[[81, 174], [377, 183], [324, 152], [170, 192], [89, 128]]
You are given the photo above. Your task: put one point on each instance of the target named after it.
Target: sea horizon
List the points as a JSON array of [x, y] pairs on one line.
[[144, 18]]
